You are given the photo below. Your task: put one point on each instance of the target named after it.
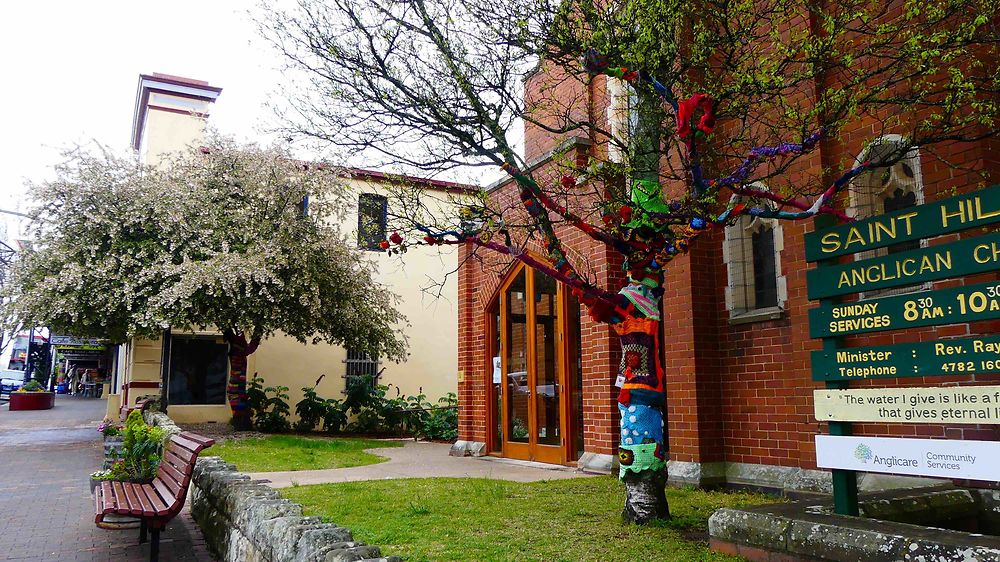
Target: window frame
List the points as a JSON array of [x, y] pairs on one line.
[[369, 243], [863, 202], [737, 251]]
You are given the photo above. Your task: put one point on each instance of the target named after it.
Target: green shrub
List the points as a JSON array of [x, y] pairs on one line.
[[311, 409], [274, 417], [441, 422], [139, 455], [33, 386]]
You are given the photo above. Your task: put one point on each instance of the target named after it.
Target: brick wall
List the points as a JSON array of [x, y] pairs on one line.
[[735, 392]]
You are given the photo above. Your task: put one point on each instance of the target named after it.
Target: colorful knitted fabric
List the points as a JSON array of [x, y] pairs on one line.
[[640, 365], [643, 299], [637, 458], [640, 423], [648, 196]]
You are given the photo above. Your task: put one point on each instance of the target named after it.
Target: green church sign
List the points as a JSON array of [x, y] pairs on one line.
[[965, 257], [924, 359], [953, 214], [927, 308]]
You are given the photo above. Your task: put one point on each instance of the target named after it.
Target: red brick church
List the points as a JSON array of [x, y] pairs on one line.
[[536, 374]]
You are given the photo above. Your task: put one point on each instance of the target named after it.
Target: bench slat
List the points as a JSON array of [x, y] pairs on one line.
[[159, 506], [177, 462], [151, 502], [98, 505], [169, 496], [144, 503], [168, 472], [182, 453], [107, 496], [192, 446], [121, 501], [135, 506], [205, 442]]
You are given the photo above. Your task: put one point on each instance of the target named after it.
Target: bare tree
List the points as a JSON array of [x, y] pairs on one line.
[[724, 94]]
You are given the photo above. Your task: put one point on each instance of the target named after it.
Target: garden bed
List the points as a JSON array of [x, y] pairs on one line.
[[466, 519]]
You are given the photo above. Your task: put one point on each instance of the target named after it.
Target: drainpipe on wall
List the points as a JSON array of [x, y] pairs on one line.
[[164, 369]]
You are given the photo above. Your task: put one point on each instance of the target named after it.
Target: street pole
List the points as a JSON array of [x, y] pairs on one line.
[[28, 364]]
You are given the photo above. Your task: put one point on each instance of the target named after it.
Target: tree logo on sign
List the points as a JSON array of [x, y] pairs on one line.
[[863, 453]]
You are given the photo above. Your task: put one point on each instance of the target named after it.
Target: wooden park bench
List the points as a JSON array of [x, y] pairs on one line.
[[141, 405], [161, 500]]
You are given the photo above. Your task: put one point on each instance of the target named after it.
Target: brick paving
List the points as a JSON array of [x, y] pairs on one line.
[[46, 508]]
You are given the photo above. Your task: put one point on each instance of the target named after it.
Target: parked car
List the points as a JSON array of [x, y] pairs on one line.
[[10, 380]]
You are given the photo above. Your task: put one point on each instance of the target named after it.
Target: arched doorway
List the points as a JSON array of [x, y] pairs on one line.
[[535, 393]]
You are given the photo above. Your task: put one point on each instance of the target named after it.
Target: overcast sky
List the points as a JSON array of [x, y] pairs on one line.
[[70, 70]]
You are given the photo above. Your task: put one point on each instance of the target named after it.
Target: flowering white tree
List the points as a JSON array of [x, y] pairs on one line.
[[241, 239]]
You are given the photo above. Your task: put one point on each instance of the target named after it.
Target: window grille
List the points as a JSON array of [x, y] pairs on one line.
[[372, 211], [361, 367]]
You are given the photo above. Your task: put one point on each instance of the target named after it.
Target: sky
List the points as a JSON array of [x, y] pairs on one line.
[[71, 69]]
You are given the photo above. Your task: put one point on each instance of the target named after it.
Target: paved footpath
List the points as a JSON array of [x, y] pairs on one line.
[[424, 460], [46, 508]]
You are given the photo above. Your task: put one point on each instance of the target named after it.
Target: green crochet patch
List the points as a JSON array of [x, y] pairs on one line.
[[636, 458], [647, 196]]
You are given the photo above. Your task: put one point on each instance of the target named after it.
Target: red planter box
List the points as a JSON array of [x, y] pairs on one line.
[[32, 400]]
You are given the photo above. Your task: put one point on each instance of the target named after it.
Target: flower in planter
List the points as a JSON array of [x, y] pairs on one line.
[[139, 455], [32, 386], [109, 429]]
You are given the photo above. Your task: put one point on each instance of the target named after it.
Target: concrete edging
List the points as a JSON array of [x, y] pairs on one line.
[[802, 531]]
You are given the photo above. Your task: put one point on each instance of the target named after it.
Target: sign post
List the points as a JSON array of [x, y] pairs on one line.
[[845, 482], [837, 366]]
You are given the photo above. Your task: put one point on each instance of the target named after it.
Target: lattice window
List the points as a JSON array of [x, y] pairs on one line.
[[885, 189], [372, 211], [752, 254]]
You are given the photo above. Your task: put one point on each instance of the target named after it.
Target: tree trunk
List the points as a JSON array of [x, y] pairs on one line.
[[642, 451], [645, 500], [236, 391]]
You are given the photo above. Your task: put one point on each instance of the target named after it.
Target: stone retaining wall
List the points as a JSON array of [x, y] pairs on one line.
[[247, 521]]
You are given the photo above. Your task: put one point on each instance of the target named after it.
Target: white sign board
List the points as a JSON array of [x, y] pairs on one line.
[[950, 404], [497, 376], [71, 340], [945, 458]]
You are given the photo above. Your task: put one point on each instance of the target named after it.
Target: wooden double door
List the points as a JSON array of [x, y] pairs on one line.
[[536, 393]]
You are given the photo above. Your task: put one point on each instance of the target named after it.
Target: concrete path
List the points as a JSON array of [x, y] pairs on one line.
[[424, 460], [46, 509]]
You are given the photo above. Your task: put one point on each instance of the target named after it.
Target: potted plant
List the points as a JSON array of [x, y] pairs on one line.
[[32, 396], [138, 457], [112, 433]]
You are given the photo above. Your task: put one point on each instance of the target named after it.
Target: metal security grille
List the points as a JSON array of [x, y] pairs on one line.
[[372, 210], [361, 366]]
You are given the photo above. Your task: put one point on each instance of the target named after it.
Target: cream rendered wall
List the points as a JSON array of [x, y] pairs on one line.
[[432, 330], [430, 367], [170, 133], [164, 132]]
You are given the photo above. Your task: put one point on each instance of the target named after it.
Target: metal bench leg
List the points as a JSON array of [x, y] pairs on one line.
[[154, 546], [142, 531]]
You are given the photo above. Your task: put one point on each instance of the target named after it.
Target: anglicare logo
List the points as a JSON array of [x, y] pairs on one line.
[[863, 453]]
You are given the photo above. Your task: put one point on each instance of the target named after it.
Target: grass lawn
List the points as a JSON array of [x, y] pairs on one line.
[[479, 519], [291, 452]]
